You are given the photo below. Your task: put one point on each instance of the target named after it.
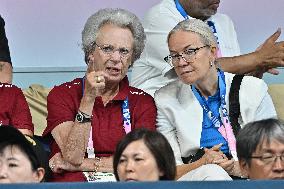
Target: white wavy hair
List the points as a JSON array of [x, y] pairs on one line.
[[118, 17]]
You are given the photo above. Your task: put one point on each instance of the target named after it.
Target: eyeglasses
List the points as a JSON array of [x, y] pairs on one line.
[[187, 55], [109, 50], [269, 158]]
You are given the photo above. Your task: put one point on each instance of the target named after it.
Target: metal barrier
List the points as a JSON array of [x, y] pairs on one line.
[[155, 185]]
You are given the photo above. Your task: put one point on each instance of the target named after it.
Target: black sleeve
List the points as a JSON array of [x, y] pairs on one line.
[[4, 47]]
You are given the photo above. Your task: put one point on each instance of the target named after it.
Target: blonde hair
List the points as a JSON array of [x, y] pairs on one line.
[[196, 26]]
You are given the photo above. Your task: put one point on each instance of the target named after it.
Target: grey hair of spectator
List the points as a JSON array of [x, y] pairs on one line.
[[255, 134], [196, 26], [118, 17]]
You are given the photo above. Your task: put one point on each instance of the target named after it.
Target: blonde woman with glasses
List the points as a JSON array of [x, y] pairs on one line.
[[193, 111]]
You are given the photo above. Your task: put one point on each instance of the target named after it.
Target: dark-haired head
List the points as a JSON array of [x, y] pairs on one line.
[[29, 156], [157, 145]]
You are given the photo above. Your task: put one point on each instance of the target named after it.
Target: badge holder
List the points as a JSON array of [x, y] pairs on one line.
[[99, 176]]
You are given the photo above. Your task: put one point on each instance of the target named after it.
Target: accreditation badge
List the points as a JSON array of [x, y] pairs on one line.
[[99, 176]]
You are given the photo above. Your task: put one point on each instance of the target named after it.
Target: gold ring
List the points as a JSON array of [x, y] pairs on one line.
[[99, 79], [52, 166]]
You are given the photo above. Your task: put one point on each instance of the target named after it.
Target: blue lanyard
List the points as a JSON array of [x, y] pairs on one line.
[[222, 86], [185, 16], [181, 9], [213, 29], [224, 127], [125, 111]]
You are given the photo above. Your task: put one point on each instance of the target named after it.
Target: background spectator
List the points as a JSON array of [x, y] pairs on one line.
[[5, 59], [144, 155], [22, 158], [260, 147], [14, 109]]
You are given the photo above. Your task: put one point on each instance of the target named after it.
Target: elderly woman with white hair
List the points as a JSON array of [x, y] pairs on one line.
[[193, 110], [88, 116]]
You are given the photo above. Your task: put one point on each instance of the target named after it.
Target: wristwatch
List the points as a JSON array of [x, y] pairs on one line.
[[81, 117]]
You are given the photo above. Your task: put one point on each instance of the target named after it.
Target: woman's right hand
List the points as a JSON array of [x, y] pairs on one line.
[[95, 79], [106, 164], [213, 155]]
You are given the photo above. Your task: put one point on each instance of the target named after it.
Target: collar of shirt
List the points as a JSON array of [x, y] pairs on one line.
[[123, 89]]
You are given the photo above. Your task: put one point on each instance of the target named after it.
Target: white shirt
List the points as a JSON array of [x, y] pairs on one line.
[[149, 71], [180, 114]]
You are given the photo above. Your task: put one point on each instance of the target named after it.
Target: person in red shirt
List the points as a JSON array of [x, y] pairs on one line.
[[5, 58], [14, 109], [88, 116]]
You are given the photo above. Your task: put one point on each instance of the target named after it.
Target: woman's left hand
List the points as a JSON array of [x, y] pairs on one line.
[[231, 167], [226, 164], [58, 165], [106, 164], [237, 170]]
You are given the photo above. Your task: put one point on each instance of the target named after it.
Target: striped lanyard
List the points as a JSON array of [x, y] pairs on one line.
[[126, 123], [209, 22], [224, 125]]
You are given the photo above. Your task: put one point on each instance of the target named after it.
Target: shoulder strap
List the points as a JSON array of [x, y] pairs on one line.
[[234, 103]]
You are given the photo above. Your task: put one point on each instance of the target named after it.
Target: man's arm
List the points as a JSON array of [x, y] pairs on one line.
[[269, 55], [5, 72], [5, 59]]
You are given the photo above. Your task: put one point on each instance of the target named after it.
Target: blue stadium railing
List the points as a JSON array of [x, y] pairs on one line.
[[155, 185]]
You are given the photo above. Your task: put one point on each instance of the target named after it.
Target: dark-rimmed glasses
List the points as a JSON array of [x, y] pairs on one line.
[[110, 50], [187, 55], [269, 158]]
